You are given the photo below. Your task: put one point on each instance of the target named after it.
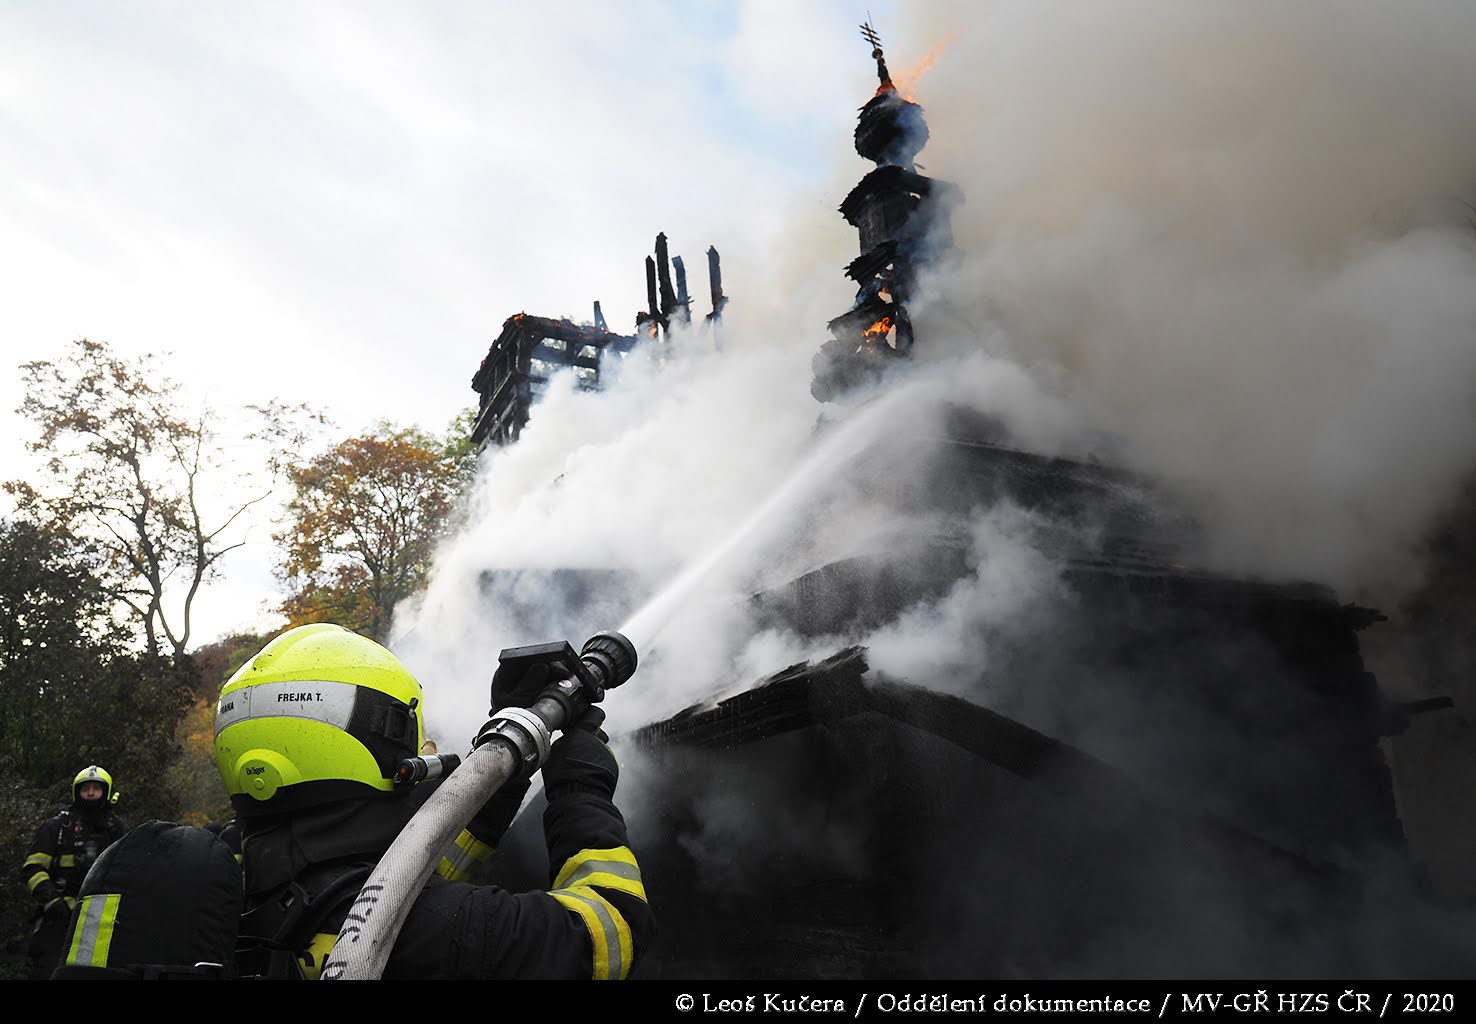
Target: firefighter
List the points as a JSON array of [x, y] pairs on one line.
[[64, 848], [308, 736]]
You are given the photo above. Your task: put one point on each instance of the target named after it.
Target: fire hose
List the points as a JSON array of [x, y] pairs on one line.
[[514, 742]]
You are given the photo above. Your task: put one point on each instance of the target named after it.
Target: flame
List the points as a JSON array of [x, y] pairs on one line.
[[905, 82], [881, 327]]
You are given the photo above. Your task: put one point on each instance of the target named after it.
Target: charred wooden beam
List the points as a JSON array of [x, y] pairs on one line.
[[652, 313], [683, 300], [663, 277], [715, 284], [521, 359]]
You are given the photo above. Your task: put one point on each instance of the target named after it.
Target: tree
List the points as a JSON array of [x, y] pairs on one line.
[[126, 467], [71, 689], [216, 662], [364, 522], [73, 694], [56, 630]]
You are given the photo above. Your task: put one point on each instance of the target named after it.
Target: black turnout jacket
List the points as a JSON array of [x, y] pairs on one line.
[[64, 848], [592, 922]]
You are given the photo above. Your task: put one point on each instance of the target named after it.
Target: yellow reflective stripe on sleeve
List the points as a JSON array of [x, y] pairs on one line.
[[315, 956], [473, 847], [36, 880], [609, 935], [93, 934], [38, 860], [68, 861], [612, 869], [461, 855]]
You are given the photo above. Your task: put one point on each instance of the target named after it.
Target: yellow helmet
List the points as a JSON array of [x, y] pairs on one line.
[[320, 714], [92, 773]]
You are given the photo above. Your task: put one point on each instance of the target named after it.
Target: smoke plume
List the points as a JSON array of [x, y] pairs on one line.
[[1240, 235], [611, 499], [1226, 247], [1230, 239]]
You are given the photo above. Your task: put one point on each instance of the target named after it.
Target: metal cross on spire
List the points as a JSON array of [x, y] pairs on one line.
[[874, 38]]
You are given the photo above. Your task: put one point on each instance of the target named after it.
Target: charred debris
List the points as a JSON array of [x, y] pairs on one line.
[[1165, 772], [530, 349]]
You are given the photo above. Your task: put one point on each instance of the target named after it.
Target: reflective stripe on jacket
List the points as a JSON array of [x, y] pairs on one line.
[[63, 849]]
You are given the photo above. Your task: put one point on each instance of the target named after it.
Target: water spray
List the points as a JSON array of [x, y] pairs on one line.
[[848, 441], [516, 741]]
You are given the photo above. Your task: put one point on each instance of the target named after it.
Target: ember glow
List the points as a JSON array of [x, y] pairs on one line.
[[881, 327]]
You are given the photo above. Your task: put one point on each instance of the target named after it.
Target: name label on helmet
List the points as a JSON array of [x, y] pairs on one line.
[[323, 701]]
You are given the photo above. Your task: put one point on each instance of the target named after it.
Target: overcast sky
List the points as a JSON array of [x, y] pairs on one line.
[[341, 202], [1235, 236]]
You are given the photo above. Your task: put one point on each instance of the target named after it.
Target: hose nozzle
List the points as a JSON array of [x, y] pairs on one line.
[[607, 660], [610, 658]]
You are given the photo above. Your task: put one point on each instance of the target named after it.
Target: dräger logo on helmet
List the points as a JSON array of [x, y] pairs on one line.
[[319, 700]]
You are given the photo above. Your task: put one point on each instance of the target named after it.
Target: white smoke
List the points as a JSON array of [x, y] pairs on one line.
[[1240, 233], [1221, 236], [947, 642], [627, 483], [655, 475]]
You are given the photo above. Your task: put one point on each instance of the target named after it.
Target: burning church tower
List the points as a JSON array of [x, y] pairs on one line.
[[1153, 770], [902, 218]]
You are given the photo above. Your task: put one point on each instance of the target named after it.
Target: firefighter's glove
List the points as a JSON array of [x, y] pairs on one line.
[[514, 686], [580, 760], [59, 909], [593, 720]]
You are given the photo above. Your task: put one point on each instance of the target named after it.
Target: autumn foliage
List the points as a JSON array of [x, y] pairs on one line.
[[364, 521], [137, 498]]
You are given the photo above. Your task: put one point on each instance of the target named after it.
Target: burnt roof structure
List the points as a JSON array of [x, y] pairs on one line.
[[522, 358], [529, 349]]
